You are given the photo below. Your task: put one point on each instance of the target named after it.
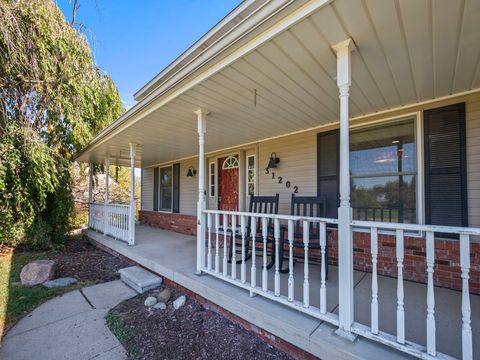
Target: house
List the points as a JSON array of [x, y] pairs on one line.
[[372, 107]]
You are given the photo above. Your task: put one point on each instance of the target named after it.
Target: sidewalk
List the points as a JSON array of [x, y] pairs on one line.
[[71, 326]]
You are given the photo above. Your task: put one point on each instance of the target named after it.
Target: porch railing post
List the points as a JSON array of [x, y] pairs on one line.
[[345, 241], [90, 193], [131, 215], [201, 129], [105, 210]]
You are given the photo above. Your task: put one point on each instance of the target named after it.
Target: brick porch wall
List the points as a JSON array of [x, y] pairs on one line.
[[447, 272], [184, 224], [447, 253]]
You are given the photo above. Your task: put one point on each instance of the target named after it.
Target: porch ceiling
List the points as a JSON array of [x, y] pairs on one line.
[[406, 51]]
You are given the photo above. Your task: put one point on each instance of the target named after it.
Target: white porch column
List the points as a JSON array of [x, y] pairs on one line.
[[90, 191], [105, 210], [345, 241], [201, 129], [131, 238]]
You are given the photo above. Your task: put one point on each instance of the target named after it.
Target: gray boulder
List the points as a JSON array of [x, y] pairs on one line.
[[150, 301], [164, 296], [37, 272], [160, 306], [60, 282], [177, 304]]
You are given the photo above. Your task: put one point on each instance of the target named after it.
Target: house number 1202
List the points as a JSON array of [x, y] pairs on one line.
[[288, 184]]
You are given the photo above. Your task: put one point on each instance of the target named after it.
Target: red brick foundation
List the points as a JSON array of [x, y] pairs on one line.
[[447, 253], [447, 272], [184, 224]]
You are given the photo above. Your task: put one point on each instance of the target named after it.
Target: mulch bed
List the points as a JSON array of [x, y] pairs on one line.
[[191, 332], [83, 261]]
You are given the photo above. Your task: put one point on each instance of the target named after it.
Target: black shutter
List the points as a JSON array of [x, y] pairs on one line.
[[155, 189], [445, 166], [176, 188], [328, 170]]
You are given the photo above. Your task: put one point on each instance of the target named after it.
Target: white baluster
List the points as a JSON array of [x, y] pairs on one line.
[[253, 271], [306, 283], [243, 266], [277, 255], [467, 346], [264, 269], [209, 250], [431, 342], [400, 293], [234, 250], [291, 285], [225, 230], [374, 305], [323, 272], [217, 257]]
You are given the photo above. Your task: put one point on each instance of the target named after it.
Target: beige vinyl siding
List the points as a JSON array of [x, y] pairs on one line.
[[298, 155], [298, 164], [147, 189], [188, 188], [473, 161]]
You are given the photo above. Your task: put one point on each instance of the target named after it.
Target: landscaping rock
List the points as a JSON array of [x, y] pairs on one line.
[[164, 296], [37, 272], [160, 306], [60, 282], [150, 301], [177, 304]]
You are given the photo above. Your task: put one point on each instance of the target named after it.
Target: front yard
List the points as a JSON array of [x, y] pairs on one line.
[[189, 332], [79, 259]]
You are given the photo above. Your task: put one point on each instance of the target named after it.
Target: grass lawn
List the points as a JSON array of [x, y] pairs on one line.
[[17, 300]]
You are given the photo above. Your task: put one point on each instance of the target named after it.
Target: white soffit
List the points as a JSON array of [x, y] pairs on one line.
[[406, 51]]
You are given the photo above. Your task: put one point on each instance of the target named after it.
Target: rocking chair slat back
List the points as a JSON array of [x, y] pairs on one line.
[[312, 206]]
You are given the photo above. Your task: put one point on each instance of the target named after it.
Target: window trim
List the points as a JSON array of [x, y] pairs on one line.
[[234, 162], [254, 169], [210, 184], [160, 190], [419, 154]]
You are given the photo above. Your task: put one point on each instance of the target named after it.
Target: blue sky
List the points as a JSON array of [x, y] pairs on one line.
[[134, 40]]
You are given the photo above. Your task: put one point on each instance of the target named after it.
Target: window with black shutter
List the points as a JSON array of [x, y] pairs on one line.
[[445, 166], [328, 170], [166, 188]]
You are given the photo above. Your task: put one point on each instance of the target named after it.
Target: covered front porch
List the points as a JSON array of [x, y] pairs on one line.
[[321, 84], [173, 256]]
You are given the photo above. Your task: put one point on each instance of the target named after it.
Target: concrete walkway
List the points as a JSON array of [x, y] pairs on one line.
[[71, 326]]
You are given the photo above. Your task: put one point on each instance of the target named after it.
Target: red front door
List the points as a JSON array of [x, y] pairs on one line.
[[228, 183]]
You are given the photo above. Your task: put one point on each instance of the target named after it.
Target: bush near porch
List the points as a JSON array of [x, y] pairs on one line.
[[53, 100]]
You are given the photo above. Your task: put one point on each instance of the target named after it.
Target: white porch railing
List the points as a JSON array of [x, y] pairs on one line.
[[400, 339], [110, 219], [262, 226]]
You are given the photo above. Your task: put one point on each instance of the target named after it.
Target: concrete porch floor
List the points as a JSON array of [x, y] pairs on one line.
[[173, 255]]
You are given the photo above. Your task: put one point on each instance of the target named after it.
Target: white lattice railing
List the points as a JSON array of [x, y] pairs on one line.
[[400, 339], [256, 278], [264, 229], [110, 219]]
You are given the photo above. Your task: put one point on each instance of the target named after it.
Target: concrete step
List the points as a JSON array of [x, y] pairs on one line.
[[139, 279]]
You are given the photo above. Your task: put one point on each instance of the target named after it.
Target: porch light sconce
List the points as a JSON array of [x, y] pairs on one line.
[[191, 172], [274, 160]]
